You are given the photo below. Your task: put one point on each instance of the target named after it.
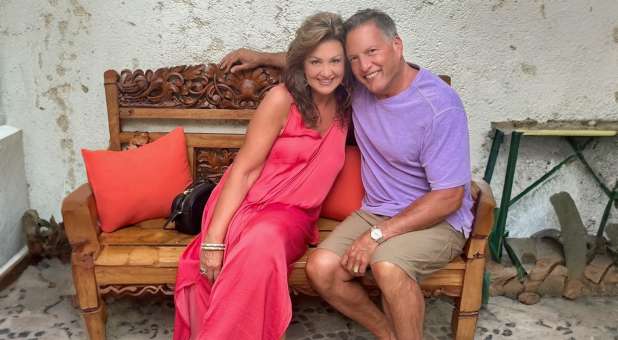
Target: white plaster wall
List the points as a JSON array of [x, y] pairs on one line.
[[13, 192], [510, 60]]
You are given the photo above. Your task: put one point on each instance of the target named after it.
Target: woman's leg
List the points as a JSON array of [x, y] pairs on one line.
[[252, 289], [194, 313], [191, 294]]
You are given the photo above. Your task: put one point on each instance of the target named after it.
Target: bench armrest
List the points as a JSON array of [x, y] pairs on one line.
[[484, 205], [79, 213]]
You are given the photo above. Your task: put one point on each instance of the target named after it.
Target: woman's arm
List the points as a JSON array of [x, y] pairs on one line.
[[263, 130]]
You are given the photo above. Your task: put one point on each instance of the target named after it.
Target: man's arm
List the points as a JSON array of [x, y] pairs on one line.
[[446, 161], [244, 59], [427, 211], [430, 209]]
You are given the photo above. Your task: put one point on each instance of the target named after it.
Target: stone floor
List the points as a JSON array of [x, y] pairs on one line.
[[38, 306]]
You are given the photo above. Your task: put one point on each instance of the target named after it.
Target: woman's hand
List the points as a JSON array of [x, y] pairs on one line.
[[210, 264]]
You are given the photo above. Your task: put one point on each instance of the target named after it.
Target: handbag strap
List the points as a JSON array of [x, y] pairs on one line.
[[170, 219]]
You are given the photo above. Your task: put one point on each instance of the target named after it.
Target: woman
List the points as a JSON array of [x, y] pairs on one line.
[[232, 279]]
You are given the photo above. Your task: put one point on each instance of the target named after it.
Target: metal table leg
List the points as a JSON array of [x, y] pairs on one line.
[[489, 171], [493, 155], [497, 236]]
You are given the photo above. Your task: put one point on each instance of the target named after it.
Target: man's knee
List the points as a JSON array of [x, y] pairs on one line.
[[322, 266], [390, 277]]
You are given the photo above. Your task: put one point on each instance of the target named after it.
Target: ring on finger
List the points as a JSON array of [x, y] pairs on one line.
[[203, 271]]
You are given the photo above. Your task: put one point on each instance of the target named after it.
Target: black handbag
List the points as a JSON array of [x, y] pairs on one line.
[[188, 207]]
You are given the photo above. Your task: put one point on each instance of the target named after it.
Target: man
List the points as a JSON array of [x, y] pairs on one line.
[[412, 131]]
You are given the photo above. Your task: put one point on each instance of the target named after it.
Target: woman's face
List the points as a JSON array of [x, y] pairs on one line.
[[324, 67]]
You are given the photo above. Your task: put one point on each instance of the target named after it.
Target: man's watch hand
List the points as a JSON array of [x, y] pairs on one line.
[[358, 256]]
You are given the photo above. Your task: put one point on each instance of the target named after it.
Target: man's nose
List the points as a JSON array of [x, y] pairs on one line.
[[364, 63]]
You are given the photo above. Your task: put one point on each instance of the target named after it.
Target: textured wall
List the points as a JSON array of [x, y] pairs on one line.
[[13, 192], [510, 60]]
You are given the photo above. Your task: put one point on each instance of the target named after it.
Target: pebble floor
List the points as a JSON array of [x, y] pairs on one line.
[[39, 306]]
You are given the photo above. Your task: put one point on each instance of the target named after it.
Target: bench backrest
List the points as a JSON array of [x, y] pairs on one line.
[[199, 94], [196, 93]]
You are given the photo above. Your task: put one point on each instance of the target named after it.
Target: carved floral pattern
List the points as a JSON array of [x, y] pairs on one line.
[[138, 140], [195, 86], [211, 163]]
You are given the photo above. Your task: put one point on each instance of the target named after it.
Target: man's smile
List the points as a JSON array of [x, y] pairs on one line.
[[371, 75]]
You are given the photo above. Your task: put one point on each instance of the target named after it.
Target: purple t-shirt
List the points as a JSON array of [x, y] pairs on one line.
[[413, 143]]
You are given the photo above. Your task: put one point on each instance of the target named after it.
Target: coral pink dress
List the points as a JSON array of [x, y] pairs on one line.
[[269, 231]]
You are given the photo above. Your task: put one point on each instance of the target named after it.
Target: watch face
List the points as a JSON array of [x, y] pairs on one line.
[[376, 234]]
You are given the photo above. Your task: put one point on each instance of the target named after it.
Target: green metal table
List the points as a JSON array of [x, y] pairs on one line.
[[497, 239]]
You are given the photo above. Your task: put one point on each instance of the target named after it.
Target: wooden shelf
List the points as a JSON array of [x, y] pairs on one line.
[[568, 133]]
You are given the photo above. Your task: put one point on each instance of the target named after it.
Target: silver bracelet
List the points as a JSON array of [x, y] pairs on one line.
[[213, 246], [220, 245]]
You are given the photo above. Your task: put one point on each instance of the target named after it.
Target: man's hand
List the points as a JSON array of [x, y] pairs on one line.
[[241, 59], [356, 259]]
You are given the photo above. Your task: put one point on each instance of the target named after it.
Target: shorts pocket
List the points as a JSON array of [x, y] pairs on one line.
[[457, 243], [440, 257]]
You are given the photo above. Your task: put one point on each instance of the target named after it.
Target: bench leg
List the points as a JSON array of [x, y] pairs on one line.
[[89, 300], [463, 323], [95, 322]]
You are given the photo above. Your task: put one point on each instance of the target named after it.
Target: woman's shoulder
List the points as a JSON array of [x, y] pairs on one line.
[[279, 94], [276, 104]]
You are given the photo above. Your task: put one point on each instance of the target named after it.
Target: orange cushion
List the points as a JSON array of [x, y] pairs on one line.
[[347, 193], [135, 185]]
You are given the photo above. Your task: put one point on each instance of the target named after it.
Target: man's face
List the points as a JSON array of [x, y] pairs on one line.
[[374, 58]]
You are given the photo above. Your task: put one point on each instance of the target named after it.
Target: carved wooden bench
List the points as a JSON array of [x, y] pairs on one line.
[[142, 258]]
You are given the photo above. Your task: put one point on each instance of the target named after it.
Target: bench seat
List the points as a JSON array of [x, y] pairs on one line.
[[146, 247]]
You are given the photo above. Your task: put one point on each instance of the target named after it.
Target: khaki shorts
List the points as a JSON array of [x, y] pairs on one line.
[[418, 253]]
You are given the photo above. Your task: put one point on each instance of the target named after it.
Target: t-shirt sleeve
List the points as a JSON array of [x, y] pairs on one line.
[[445, 155]]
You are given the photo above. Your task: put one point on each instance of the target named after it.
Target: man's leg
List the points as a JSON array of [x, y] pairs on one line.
[[387, 313], [336, 285], [345, 294], [398, 262], [405, 303]]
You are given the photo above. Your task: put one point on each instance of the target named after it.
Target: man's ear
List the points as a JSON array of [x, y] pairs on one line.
[[398, 44]]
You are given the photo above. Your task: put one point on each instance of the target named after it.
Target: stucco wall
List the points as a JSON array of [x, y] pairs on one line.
[[510, 60]]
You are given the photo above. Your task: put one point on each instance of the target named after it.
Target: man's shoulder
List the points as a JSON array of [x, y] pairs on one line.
[[438, 94]]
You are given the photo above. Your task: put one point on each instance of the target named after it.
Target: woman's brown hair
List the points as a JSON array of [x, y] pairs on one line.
[[318, 28]]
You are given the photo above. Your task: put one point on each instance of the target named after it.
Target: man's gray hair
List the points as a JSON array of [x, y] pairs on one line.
[[379, 18]]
